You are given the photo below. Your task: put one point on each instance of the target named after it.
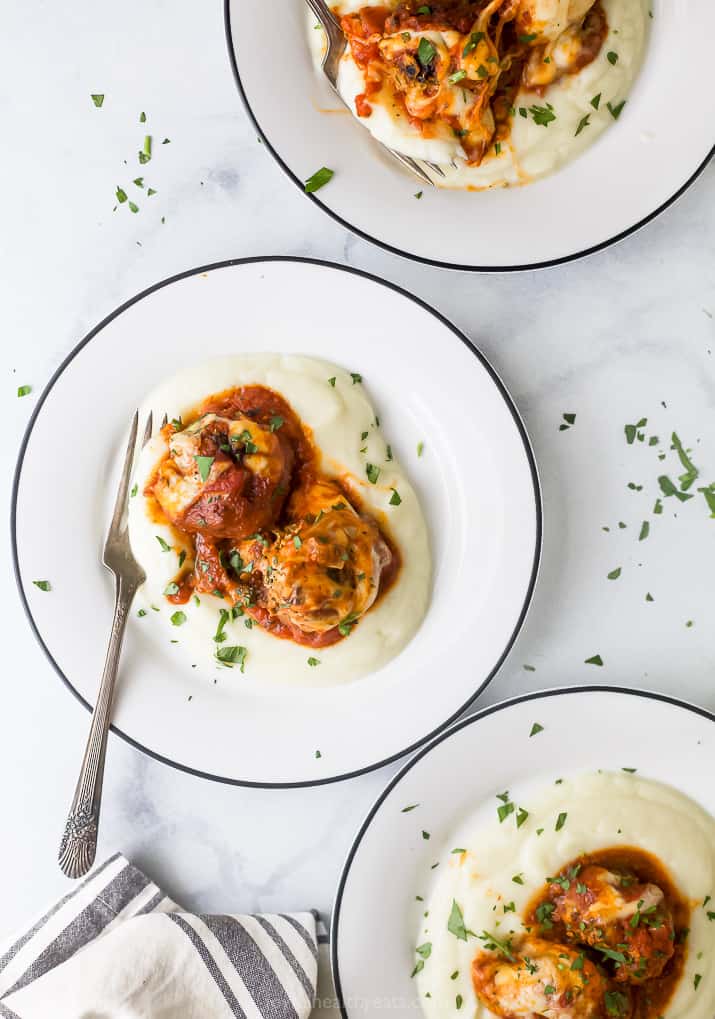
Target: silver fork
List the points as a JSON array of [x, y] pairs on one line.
[[331, 62], [79, 841]]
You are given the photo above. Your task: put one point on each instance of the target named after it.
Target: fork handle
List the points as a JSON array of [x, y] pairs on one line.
[[79, 841]]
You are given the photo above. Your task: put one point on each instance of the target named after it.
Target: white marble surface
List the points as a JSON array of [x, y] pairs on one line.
[[608, 338]]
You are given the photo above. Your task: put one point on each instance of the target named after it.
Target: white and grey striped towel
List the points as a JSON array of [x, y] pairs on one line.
[[116, 947]]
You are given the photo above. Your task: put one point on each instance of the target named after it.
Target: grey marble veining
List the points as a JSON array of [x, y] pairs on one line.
[[608, 338]]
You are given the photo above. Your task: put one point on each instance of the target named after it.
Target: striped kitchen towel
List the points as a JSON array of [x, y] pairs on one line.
[[116, 947]]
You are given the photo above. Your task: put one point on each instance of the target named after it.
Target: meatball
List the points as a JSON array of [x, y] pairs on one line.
[[324, 569], [627, 920], [224, 478], [544, 978]]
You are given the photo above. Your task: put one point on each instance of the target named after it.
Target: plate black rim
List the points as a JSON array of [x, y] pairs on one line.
[[491, 709], [509, 402], [548, 264]]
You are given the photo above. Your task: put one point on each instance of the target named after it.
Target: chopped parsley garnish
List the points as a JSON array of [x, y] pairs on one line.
[[233, 655], [24, 390], [691, 471], [178, 618], [406, 810], [141, 613], [164, 546], [615, 574], [518, 879], [373, 473], [521, 816], [419, 966], [542, 115], [668, 488], [424, 950], [418, 194], [583, 123], [645, 531], [171, 588], [318, 180], [426, 52], [458, 851], [594, 660], [220, 636], [536, 728], [616, 110], [612, 57], [455, 923], [133, 207], [543, 914], [356, 377], [696, 980], [458, 1001], [611, 953], [313, 662], [395, 499], [276, 422], [560, 821], [596, 101], [346, 626], [503, 811], [457, 76], [98, 100], [494, 944], [297, 541], [616, 1003], [425, 835], [474, 39], [204, 464], [332, 382], [44, 585], [420, 448], [526, 39]]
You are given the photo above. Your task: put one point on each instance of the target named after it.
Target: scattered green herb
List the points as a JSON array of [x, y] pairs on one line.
[[318, 180]]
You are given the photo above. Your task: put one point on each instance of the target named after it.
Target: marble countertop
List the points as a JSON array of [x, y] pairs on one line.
[[626, 334]]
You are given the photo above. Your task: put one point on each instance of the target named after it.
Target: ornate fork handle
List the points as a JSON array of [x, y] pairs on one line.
[[79, 841]]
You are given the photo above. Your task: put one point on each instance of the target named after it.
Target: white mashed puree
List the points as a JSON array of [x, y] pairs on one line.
[[532, 151], [337, 415], [602, 810]]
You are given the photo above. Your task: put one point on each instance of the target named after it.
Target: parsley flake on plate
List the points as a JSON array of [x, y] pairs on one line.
[[318, 180], [233, 655]]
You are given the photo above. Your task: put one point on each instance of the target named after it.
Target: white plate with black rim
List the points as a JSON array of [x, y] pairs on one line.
[[478, 487], [636, 169], [507, 752]]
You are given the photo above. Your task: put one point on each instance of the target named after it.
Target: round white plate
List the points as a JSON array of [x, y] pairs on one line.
[[476, 480], [636, 169], [375, 915]]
